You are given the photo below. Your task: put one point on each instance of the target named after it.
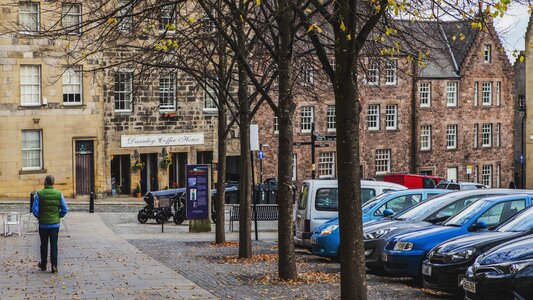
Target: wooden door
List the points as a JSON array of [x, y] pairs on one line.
[[84, 167]]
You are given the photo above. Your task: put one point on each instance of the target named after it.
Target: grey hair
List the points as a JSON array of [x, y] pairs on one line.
[[49, 180]]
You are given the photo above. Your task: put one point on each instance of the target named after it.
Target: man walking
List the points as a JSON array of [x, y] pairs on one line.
[[49, 207]]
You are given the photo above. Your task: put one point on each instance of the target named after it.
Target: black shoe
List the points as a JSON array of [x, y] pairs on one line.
[[54, 269], [41, 266]]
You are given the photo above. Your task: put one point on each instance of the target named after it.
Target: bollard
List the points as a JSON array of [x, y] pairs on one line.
[[32, 199], [91, 203]]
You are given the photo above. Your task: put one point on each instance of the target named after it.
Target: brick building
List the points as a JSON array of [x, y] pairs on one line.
[[453, 119]]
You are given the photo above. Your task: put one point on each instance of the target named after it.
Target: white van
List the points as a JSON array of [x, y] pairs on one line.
[[311, 212]]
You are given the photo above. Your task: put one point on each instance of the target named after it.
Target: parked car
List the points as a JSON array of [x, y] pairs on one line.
[[459, 186], [503, 272], [437, 210], [326, 238], [414, 181], [404, 253], [447, 263], [318, 202]]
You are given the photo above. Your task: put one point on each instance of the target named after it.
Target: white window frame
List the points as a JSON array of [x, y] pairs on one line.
[[276, 125], [29, 21], [476, 93], [73, 84], [330, 119], [373, 117], [308, 76], [71, 18], [210, 105], [498, 176], [372, 72], [498, 93], [425, 137], [167, 91], [425, 94], [487, 53], [167, 18], [391, 76], [123, 95], [476, 173], [28, 149], [498, 134], [30, 85], [486, 176], [383, 161], [476, 129], [486, 94], [326, 165], [307, 118], [451, 136], [452, 91], [486, 135], [391, 117]]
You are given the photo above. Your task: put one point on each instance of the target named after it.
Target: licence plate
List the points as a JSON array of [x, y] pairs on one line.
[[469, 286], [313, 240], [384, 256], [426, 270]]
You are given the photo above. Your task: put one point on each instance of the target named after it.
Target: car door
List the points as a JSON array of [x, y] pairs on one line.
[[499, 212], [397, 204]]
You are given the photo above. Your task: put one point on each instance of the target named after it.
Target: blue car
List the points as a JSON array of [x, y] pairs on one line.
[[404, 253], [326, 239]]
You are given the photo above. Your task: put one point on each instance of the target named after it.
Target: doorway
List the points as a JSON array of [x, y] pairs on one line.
[[84, 167], [149, 173], [120, 174], [176, 178]]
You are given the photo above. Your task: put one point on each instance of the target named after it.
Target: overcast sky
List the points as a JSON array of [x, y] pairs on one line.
[[512, 28]]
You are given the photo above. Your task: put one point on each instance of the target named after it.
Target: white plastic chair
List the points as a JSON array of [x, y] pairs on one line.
[[64, 224], [30, 219], [12, 219]]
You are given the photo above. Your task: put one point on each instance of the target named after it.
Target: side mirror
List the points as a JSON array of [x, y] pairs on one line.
[[388, 212], [479, 225]]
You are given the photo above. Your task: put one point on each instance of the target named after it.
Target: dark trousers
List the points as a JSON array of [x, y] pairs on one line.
[[52, 234]]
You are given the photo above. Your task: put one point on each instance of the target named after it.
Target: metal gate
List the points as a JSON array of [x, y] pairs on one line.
[[84, 167]]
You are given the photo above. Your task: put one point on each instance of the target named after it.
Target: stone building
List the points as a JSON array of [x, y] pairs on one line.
[[453, 119], [519, 122], [528, 134]]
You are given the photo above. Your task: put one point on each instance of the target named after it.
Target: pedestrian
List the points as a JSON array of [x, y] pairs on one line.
[[49, 207]]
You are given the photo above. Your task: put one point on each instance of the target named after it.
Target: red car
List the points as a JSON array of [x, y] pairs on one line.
[[414, 181]]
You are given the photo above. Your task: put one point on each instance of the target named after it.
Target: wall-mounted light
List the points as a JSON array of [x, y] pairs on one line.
[[164, 152], [36, 120], [136, 155]]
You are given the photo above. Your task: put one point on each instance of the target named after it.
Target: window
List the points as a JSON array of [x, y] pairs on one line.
[[475, 135], [486, 176], [498, 176], [167, 92], [373, 117], [308, 76], [294, 168], [383, 161], [210, 96], [71, 18], [476, 86], [391, 117], [372, 74], [451, 174], [487, 53], [72, 85], [486, 94], [327, 199], [125, 15], [32, 155], [451, 137], [123, 91], [399, 203], [425, 137], [425, 94], [30, 85], [486, 135], [498, 134], [276, 125], [326, 165], [29, 17], [498, 93], [306, 119], [168, 18], [451, 94], [390, 72], [330, 116]]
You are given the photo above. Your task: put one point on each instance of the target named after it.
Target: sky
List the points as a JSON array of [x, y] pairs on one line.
[[512, 28]]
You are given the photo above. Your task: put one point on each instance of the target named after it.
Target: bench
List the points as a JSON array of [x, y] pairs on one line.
[[265, 212]]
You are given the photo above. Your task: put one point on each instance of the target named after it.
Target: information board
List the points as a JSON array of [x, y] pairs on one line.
[[198, 186]]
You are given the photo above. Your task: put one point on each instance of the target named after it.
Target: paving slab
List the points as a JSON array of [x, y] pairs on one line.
[[94, 263]]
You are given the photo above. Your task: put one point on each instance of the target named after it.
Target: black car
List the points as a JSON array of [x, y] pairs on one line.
[[447, 262], [503, 272]]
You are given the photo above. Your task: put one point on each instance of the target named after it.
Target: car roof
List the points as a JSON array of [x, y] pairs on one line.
[[334, 182], [505, 197], [413, 191]]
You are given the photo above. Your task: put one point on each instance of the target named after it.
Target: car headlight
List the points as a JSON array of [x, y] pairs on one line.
[[462, 255], [328, 230], [517, 267], [376, 234], [403, 246]]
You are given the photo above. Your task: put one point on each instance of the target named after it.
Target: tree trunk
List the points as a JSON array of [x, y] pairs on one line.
[[286, 107], [220, 234]]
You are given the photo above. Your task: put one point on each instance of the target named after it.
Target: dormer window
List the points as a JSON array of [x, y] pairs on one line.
[[487, 53]]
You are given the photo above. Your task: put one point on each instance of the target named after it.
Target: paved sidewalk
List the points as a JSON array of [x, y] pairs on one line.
[[94, 263]]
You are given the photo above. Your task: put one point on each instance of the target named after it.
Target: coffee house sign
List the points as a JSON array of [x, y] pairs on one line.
[[154, 140]]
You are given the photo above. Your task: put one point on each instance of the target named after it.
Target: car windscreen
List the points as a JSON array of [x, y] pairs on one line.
[[522, 222], [327, 199], [373, 202], [421, 208], [463, 216]]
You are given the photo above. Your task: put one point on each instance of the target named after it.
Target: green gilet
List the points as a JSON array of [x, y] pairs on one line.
[[49, 205]]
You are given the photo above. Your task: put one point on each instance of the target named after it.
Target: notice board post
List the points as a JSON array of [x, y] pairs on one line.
[[199, 197]]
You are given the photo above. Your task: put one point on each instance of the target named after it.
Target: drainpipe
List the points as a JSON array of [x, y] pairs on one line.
[[413, 119]]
